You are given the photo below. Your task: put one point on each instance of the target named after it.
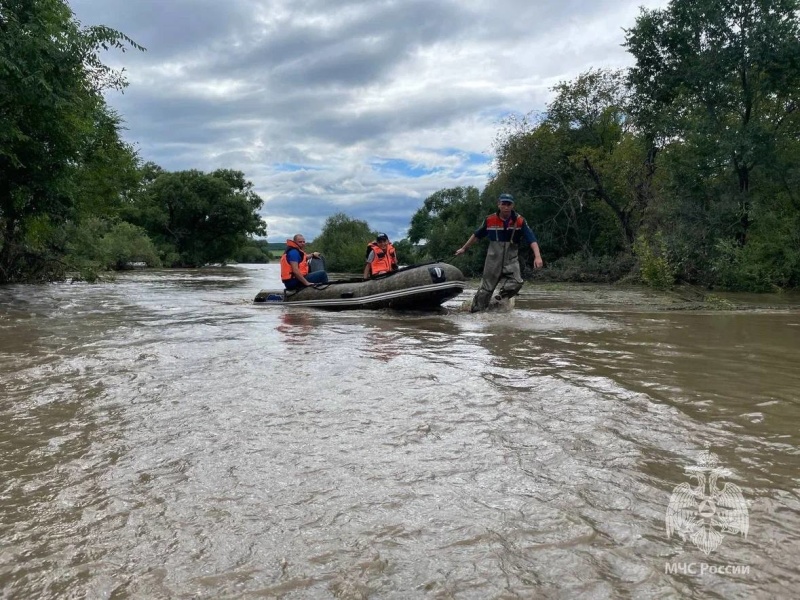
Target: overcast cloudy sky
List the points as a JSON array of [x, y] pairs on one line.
[[365, 107]]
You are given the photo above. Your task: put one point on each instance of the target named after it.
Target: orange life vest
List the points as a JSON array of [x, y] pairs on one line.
[[498, 232], [385, 260], [286, 268]]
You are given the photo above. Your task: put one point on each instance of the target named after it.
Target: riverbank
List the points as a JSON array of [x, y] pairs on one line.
[[588, 293], [679, 297]]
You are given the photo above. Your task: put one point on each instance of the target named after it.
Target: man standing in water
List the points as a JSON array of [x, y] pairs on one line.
[[505, 230]]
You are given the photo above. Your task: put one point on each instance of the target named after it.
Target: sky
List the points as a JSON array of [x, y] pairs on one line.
[[363, 107]]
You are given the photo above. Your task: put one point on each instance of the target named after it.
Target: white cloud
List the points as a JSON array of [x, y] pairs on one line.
[[319, 102]]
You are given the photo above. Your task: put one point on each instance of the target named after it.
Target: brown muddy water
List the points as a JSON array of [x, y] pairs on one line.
[[162, 437]]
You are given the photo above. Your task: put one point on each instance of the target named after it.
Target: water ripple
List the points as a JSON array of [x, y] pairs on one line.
[[162, 437]]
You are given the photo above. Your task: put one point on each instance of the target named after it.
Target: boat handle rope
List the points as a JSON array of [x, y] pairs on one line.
[[324, 286]]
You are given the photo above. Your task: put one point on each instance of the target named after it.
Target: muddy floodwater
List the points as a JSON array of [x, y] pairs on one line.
[[163, 437]]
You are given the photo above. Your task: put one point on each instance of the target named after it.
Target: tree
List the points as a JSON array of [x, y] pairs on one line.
[[722, 77], [612, 162], [533, 164], [445, 221], [107, 172], [254, 251], [343, 241], [51, 79], [407, 254], [96, 244], [198, 218], [576, 171]]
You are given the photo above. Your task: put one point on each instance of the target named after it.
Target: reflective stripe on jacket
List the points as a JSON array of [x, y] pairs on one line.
[[385, 261], [286, 268], [497, 230]]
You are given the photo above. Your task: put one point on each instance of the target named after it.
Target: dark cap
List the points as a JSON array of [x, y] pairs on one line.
[[381, 237], [506, 199]]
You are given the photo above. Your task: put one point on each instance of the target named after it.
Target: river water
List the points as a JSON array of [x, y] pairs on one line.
[[162, 437]]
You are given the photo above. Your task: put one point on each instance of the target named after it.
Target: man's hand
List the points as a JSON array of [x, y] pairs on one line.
[[538, 263]]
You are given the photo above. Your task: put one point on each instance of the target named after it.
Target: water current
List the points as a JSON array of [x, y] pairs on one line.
[[163, 437]]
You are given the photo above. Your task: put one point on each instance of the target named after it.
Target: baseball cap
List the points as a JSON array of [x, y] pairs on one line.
[[381, 237], [506, 198]]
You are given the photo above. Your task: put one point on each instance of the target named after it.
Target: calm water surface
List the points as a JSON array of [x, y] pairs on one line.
[[162, 437]]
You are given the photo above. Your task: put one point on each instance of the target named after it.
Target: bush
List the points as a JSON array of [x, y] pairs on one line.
[[655, 268], [760, 266], [251, 255], [125, 244], [580, 268], [98, 245], [343, 242]]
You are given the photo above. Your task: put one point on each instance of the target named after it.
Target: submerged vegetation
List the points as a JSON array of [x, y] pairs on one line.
[[683, 168]]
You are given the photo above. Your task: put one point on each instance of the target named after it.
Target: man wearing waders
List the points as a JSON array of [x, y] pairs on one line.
[[505, 229]]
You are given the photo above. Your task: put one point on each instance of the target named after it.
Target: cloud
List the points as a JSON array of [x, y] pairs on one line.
[[361, 107]]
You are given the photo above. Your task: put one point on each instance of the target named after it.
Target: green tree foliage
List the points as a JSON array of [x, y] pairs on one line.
[[717, 86], [578, 171], [592, 112], [97, 244], [697, 148], [723, 78], [126, 244], [197, 218], [533, 164], [771, 258], [254, 252], [51, 79], [655, 269], [108, 172], [445, 221], [343, 242], [407, 253]]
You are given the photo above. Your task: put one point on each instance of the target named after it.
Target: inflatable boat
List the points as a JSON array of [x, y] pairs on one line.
[[417, 287]]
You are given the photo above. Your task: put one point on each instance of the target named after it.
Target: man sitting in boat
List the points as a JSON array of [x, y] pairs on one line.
[[381, 257], [294, 265]]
